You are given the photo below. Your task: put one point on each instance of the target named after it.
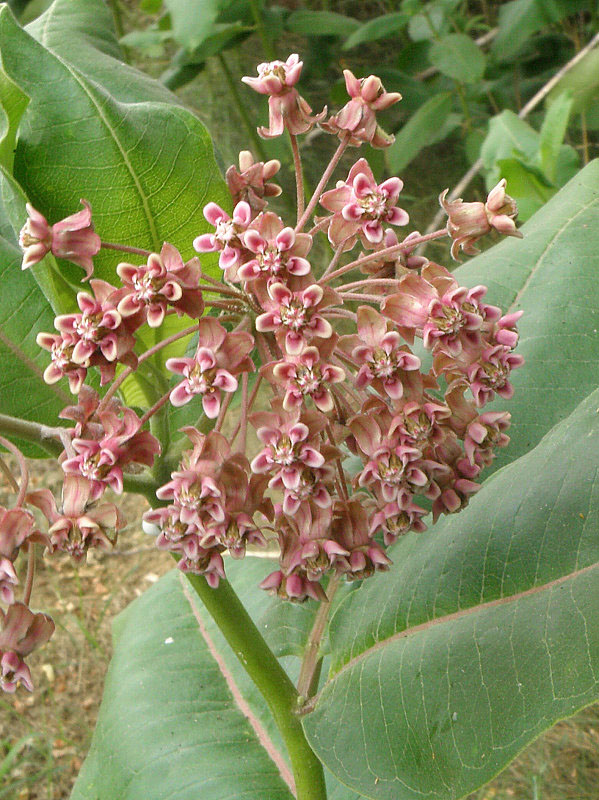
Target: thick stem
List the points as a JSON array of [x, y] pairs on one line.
[[261, 28], [323, 182], [274, 684]]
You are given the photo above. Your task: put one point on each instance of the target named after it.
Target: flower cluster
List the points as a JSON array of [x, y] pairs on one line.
[[322, 370]]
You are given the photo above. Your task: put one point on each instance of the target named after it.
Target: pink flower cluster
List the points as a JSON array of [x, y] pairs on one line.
[[322, 366], [213, 500]]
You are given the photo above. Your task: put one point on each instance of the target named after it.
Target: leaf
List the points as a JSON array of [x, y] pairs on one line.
[[419, 131], [187, 730], [148, 742], [482, 636], [13, 103], [520, 19], [527, 185], [98, 129], [552, 133], [321, 23], [458, 57], [379, 28], [508, 136], [193, 21], [551, 276], [581, 82]]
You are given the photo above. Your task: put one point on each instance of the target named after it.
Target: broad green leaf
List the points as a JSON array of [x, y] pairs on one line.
[[170, 724], [482, 635], [174, 721], [458, 57], [13, 102], [551, 276], [98, 129], [321, 23], [379, 28], [419, 131], [508, 136], [552, 133]]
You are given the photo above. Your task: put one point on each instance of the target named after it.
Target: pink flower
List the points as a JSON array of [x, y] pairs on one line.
[[72, 238], [469, 221], [287, 109], [307, 375], [358, 117], [396, 519], [491, 374], [278, 251], [81, 524], [118, 443], [219, 357], [396, 265], [164, 280], [291, 443], [449, 317], [361, 206], [226, 238], [380, 354], [351, 530], [251, 183], [296, 313], [21, 631], [62, 364]]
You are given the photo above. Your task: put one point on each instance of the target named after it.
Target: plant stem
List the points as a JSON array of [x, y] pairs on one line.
[[124, 248], [299, 180], [30, 574], [266, 41], [323, 182], [524, 112], [274, 684], [49, 439], [311, 654], [387, 251]]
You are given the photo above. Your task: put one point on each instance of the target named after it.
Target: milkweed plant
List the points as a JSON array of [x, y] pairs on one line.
[[336, 402]]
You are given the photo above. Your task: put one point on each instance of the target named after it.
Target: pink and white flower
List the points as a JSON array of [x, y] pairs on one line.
[[219, 357], [361, 206], [286, 108], [358, 117]]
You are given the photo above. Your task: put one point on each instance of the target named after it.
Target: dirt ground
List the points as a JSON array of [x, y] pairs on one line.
[[44, 737]]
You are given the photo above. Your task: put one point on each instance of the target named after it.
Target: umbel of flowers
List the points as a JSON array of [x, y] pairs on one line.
[[315, 357]]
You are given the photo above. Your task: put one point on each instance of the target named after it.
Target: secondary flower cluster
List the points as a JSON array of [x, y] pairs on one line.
[[323, 370]]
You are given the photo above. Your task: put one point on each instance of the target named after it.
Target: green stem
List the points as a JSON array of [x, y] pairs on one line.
[[241, 108], [259, 662], [266, 41]]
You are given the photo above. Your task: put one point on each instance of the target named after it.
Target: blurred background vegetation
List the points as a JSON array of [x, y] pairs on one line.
[[489, 91]]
